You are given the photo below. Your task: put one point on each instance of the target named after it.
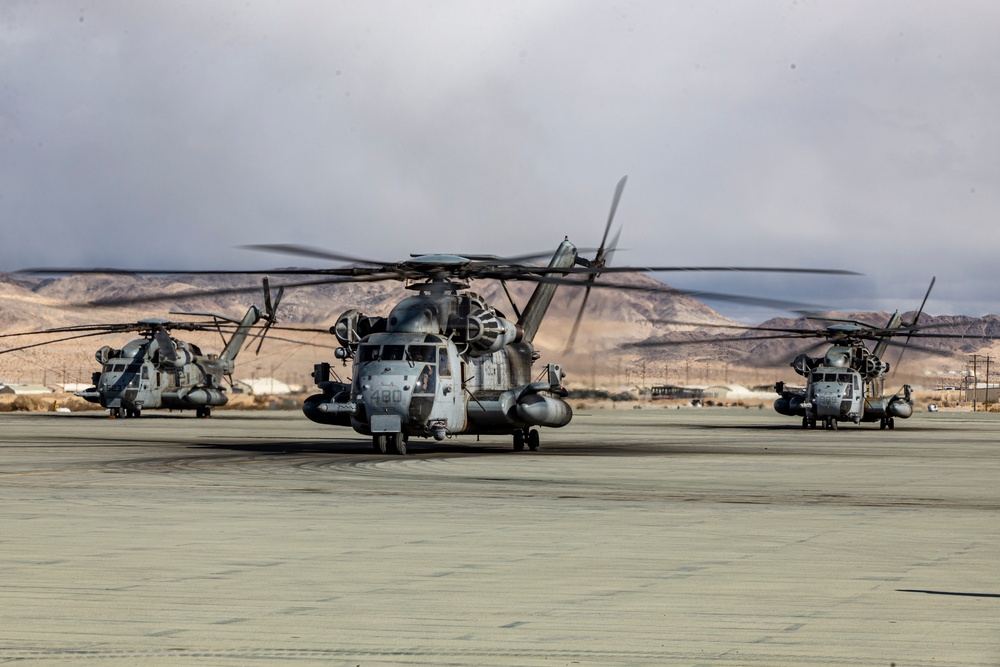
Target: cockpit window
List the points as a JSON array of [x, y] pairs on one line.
[[368, 353], [845, 378], [444, 366], [421, 353], [392, 352], [426, 381]]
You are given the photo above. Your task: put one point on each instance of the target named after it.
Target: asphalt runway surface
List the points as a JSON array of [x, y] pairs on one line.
[[638, 537]]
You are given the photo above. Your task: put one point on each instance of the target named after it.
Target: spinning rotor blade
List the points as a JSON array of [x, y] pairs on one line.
[[213, 315], [49, 342], [700, 341], [195, 294], [923, 303], [311, 252], [716, 296], [614, 207], [916, 317], [694, 269], [705, 325], [270, 312], [598, 263]]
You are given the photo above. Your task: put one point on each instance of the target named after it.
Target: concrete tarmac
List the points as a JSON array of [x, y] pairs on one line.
[[638, 537]]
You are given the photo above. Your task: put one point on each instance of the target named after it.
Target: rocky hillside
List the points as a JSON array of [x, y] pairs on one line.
[[29, 304]]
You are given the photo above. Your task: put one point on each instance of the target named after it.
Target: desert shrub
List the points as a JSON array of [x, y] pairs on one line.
[[26, 404]]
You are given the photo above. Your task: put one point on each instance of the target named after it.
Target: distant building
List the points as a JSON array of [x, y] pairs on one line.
[[675, 391], [267, 386], [25, 389], [735, 392]]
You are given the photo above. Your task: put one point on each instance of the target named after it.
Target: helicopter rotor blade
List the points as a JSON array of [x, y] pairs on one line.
[[916, 318], [712, 296], [706, 325], [195, 294], [599, 263], [614, 208], [270, 315], [311, 252], [167, 349], [267, 297], [720, 339], [50, 342]]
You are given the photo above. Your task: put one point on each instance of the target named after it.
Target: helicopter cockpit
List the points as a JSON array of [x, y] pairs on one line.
[[405, 387], [834, 394]]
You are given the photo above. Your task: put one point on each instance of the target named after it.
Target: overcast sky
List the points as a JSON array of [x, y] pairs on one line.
[[856, 135]]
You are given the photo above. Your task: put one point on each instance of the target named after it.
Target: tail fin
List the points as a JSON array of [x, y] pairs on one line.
[[531, 316], [240, 335]]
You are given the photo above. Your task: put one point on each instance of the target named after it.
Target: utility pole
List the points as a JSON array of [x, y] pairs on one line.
[[986, 399], [975, 382], [643, 387]]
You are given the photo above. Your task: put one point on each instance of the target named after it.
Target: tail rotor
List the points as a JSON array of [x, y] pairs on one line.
[[604, 254], [270, 313]]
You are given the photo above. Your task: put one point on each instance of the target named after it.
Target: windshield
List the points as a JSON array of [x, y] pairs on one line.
[[414, 353]]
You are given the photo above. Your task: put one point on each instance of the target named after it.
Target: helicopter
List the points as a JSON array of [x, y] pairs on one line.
[[847, 383], [159, 371], [444, 362]]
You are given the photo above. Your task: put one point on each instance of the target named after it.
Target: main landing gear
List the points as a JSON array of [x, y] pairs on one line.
[[526, 437], [828, 423], [390, 443], [887, 423], [119, 413]]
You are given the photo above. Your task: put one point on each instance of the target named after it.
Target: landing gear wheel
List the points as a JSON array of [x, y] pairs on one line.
[[533, 440], [115, 413], [805, 422], [378, 443], [396, 443], [892, 423], [518, 441], [883, 423]]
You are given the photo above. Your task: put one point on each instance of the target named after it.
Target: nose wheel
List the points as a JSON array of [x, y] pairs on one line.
[[390, 443]]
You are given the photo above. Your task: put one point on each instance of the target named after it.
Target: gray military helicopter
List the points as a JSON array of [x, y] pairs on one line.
[[847, 383], [444, 362], [159, 371]]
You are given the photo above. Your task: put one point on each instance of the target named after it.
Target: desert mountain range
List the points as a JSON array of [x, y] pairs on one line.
[[614, 319]]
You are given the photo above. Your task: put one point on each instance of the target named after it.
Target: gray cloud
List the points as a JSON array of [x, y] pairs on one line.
[[848, 135]]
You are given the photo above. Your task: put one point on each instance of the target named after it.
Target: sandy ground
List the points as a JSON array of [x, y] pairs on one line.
[[650, 537]]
